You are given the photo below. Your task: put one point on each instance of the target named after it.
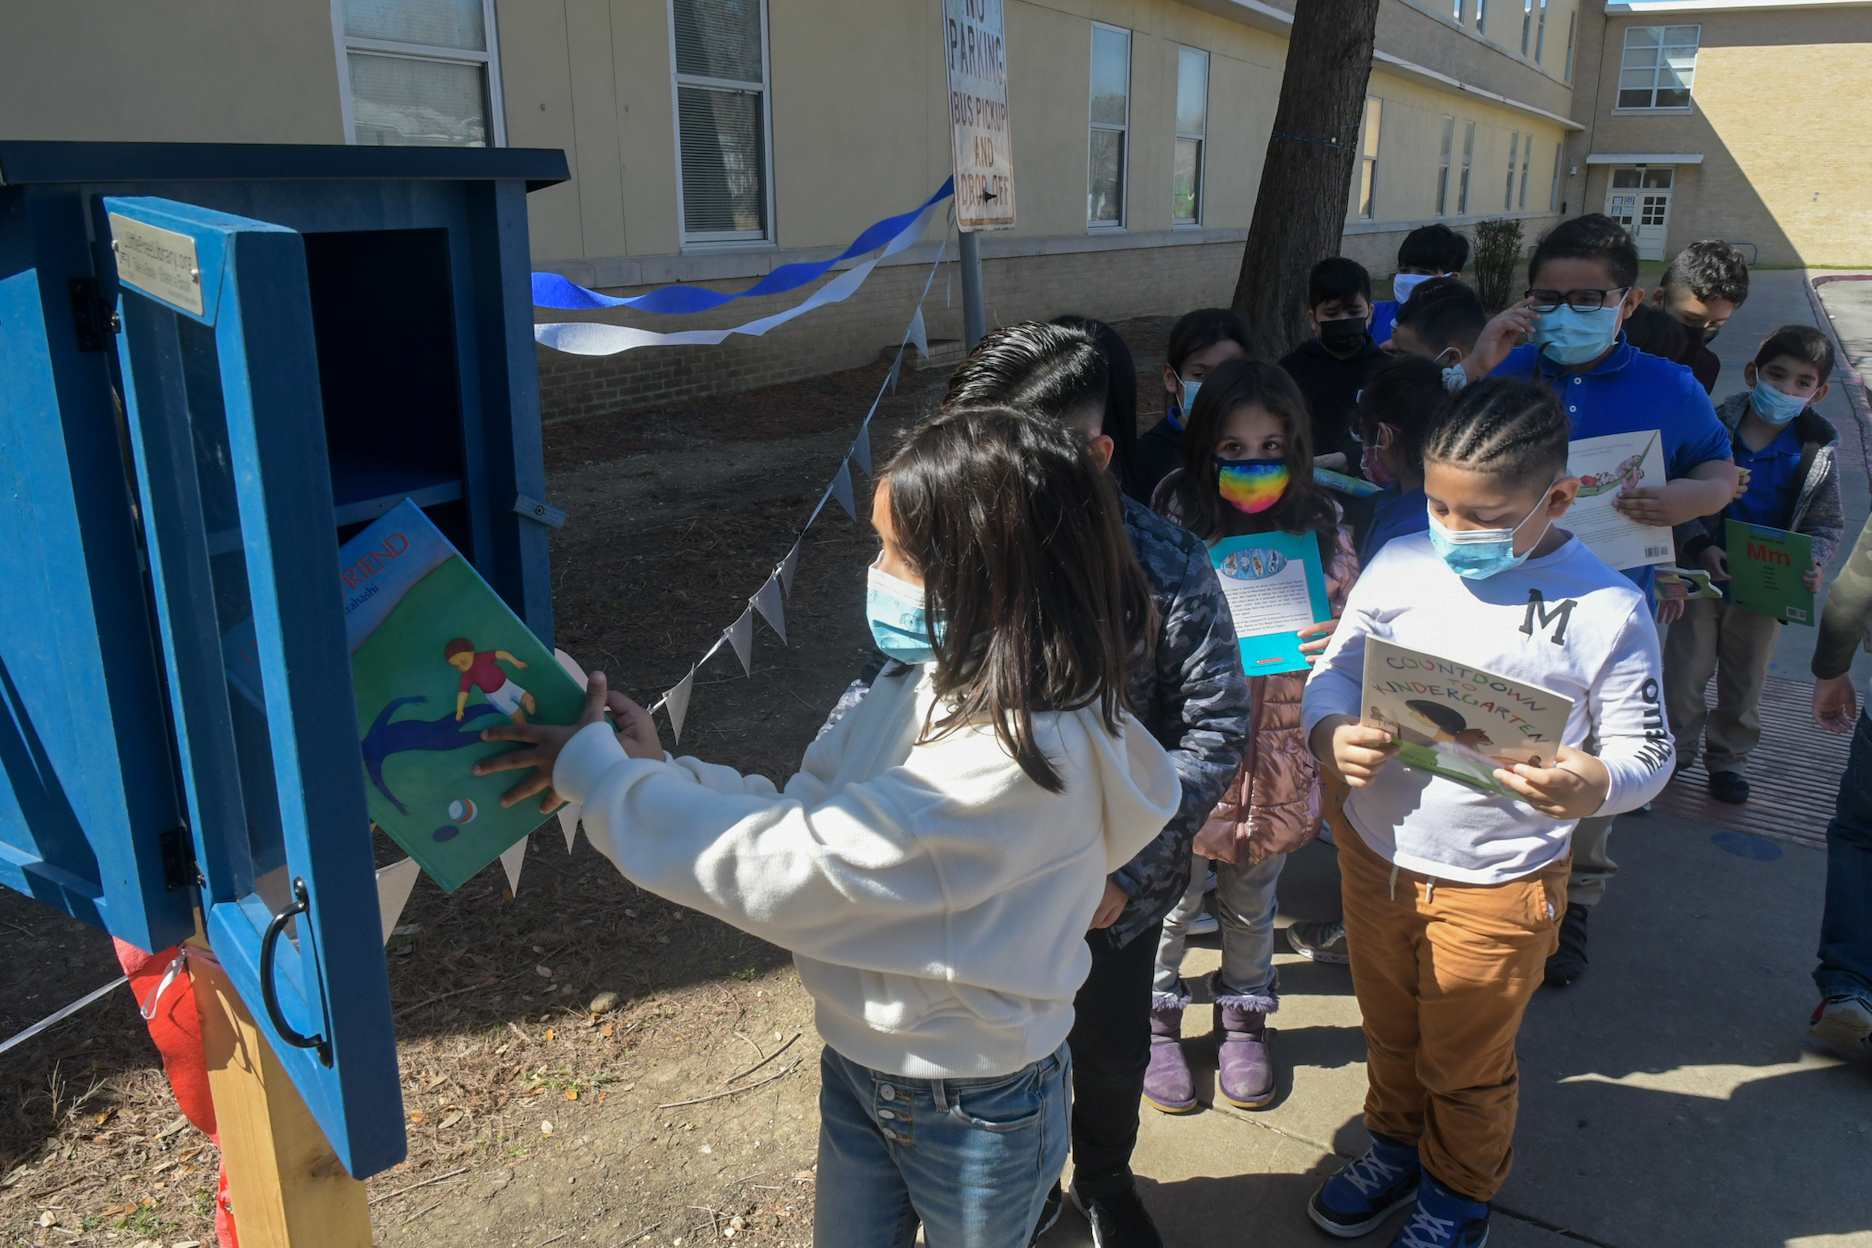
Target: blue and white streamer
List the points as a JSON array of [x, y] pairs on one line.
[[893, 234]]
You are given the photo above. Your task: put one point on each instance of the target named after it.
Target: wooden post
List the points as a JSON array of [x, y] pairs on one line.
[[286, 1184]]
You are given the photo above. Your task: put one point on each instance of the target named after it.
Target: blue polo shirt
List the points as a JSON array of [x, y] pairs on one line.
[[1395, 513], [1383, 317], [1630, 392], [1773, 482]]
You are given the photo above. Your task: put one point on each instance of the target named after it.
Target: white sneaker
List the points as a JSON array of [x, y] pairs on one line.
[[1204, 924], [1841, 1024]]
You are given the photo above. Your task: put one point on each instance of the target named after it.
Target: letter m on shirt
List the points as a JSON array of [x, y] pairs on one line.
[[1538, 616]]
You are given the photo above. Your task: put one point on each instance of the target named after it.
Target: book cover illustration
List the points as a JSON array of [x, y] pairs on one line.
[[1344, 483], [1766, 567], [436, 657], [1275, 586], [1606, 466], [1457, 721]]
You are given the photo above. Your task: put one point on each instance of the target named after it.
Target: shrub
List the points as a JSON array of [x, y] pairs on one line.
[[1497, 248]]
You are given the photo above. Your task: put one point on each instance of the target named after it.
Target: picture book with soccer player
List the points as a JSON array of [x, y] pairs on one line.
[[436, 657], [1457, 721]]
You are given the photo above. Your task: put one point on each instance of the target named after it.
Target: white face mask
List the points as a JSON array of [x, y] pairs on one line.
[[1404, 283]]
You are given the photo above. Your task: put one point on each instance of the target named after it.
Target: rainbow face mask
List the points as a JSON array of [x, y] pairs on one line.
[[1251, 485]]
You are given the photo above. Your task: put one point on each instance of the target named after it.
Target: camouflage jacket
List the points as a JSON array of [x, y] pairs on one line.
[[1192, 696]]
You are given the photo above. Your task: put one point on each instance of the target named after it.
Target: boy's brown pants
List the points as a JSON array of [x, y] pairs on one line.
[[1443, 972]]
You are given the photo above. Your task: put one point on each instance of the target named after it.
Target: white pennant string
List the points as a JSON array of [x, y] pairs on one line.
[[917, 334], [842, 489], [861, 449], [511, 859], [569, 820], [740, 635], [676, 702], [393, 889], [771, 606], [896, 366], [786, 569]]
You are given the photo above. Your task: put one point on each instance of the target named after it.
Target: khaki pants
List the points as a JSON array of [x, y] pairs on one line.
[[1443, 972], [1722, 640], [1593, 867]]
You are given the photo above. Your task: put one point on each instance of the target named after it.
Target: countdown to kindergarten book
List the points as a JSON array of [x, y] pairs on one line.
[[1606, 466], [436, 657], [1275, 587], [1457, 721], [1765, 570]]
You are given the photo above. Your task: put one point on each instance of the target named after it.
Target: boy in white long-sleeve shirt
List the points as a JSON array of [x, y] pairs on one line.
[[1453, 895]]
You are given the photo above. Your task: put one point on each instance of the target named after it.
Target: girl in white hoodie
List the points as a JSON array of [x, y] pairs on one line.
[[935, 863]]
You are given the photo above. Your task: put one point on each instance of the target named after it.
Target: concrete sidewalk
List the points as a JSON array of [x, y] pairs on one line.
[[1666, 1099]]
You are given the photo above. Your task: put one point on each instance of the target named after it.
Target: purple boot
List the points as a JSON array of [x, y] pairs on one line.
[[1245, 1067], [1168, 1084]]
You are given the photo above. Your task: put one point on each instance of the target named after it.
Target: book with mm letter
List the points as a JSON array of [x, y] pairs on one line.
[[1457, 721], [436, 657], [1766, 567], [1275, 586]]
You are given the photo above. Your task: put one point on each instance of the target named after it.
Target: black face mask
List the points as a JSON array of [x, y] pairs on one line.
[[1347, 334]]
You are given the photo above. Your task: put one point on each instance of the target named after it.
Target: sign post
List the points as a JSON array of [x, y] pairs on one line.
[[975, 43]]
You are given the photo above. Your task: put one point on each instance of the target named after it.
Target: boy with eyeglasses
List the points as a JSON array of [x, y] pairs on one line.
[[1582, 285], [1701, 290]]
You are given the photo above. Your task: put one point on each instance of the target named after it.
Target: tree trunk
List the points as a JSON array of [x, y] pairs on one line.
[[1300, 210]]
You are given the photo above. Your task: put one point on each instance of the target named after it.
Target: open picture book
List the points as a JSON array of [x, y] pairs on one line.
[[436, 657], [1460, 722]]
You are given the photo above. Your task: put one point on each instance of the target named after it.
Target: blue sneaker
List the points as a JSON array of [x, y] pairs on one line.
[[1442, 1219], [1354, 1201]]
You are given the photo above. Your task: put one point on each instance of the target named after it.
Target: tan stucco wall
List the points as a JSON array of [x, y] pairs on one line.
[[202, 71], [1778, 111]]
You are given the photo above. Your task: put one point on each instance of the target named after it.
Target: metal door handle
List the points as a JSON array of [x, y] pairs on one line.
[[268, 943]]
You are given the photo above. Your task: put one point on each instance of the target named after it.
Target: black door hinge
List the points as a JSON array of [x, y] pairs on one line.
[[178, 859], [92, 318]]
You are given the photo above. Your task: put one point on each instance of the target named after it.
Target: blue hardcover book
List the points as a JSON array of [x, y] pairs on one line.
[[1275, 587]]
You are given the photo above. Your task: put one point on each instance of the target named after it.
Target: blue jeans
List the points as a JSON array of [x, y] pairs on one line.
[[971, 1159], [1845, 968]]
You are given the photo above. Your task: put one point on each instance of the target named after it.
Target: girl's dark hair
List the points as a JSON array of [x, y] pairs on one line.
[[1202, 329], [1120, 393], [1656, 332], [1049, 369], [1199, 504], [1405, 393], [1033, 593], [1504, 427]]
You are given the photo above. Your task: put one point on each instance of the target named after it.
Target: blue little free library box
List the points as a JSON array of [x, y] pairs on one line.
[[216, 363]]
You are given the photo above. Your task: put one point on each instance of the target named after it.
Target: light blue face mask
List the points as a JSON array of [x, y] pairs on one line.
[[898, 623], [1477, 554], [1775, 406], [1568, 336], [1179, 415]]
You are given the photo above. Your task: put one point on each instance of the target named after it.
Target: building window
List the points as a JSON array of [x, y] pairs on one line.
[[1527, 26], [1553, 196], [1443, 163], [421, 72], [1527, 158], [1514, 153], [1192, 127], [1468, 156], [1659, 63], [1111, 122], [1457, 12], [1540, 33], [722, 143], [1572, 24], [1368, 158], [1481, 17]]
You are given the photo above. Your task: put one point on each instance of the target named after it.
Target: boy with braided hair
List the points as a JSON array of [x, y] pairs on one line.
[[1454, 895]]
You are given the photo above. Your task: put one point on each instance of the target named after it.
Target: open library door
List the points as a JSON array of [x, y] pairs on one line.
[[222, 402]]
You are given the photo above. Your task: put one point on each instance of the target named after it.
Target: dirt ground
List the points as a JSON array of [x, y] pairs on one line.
[[531, 1121]]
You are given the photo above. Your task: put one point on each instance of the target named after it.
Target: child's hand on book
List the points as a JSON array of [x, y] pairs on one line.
[[1353, 750], [547, 740], [1574, 788], [1314, 638], [636, 730], [1715, 561]]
